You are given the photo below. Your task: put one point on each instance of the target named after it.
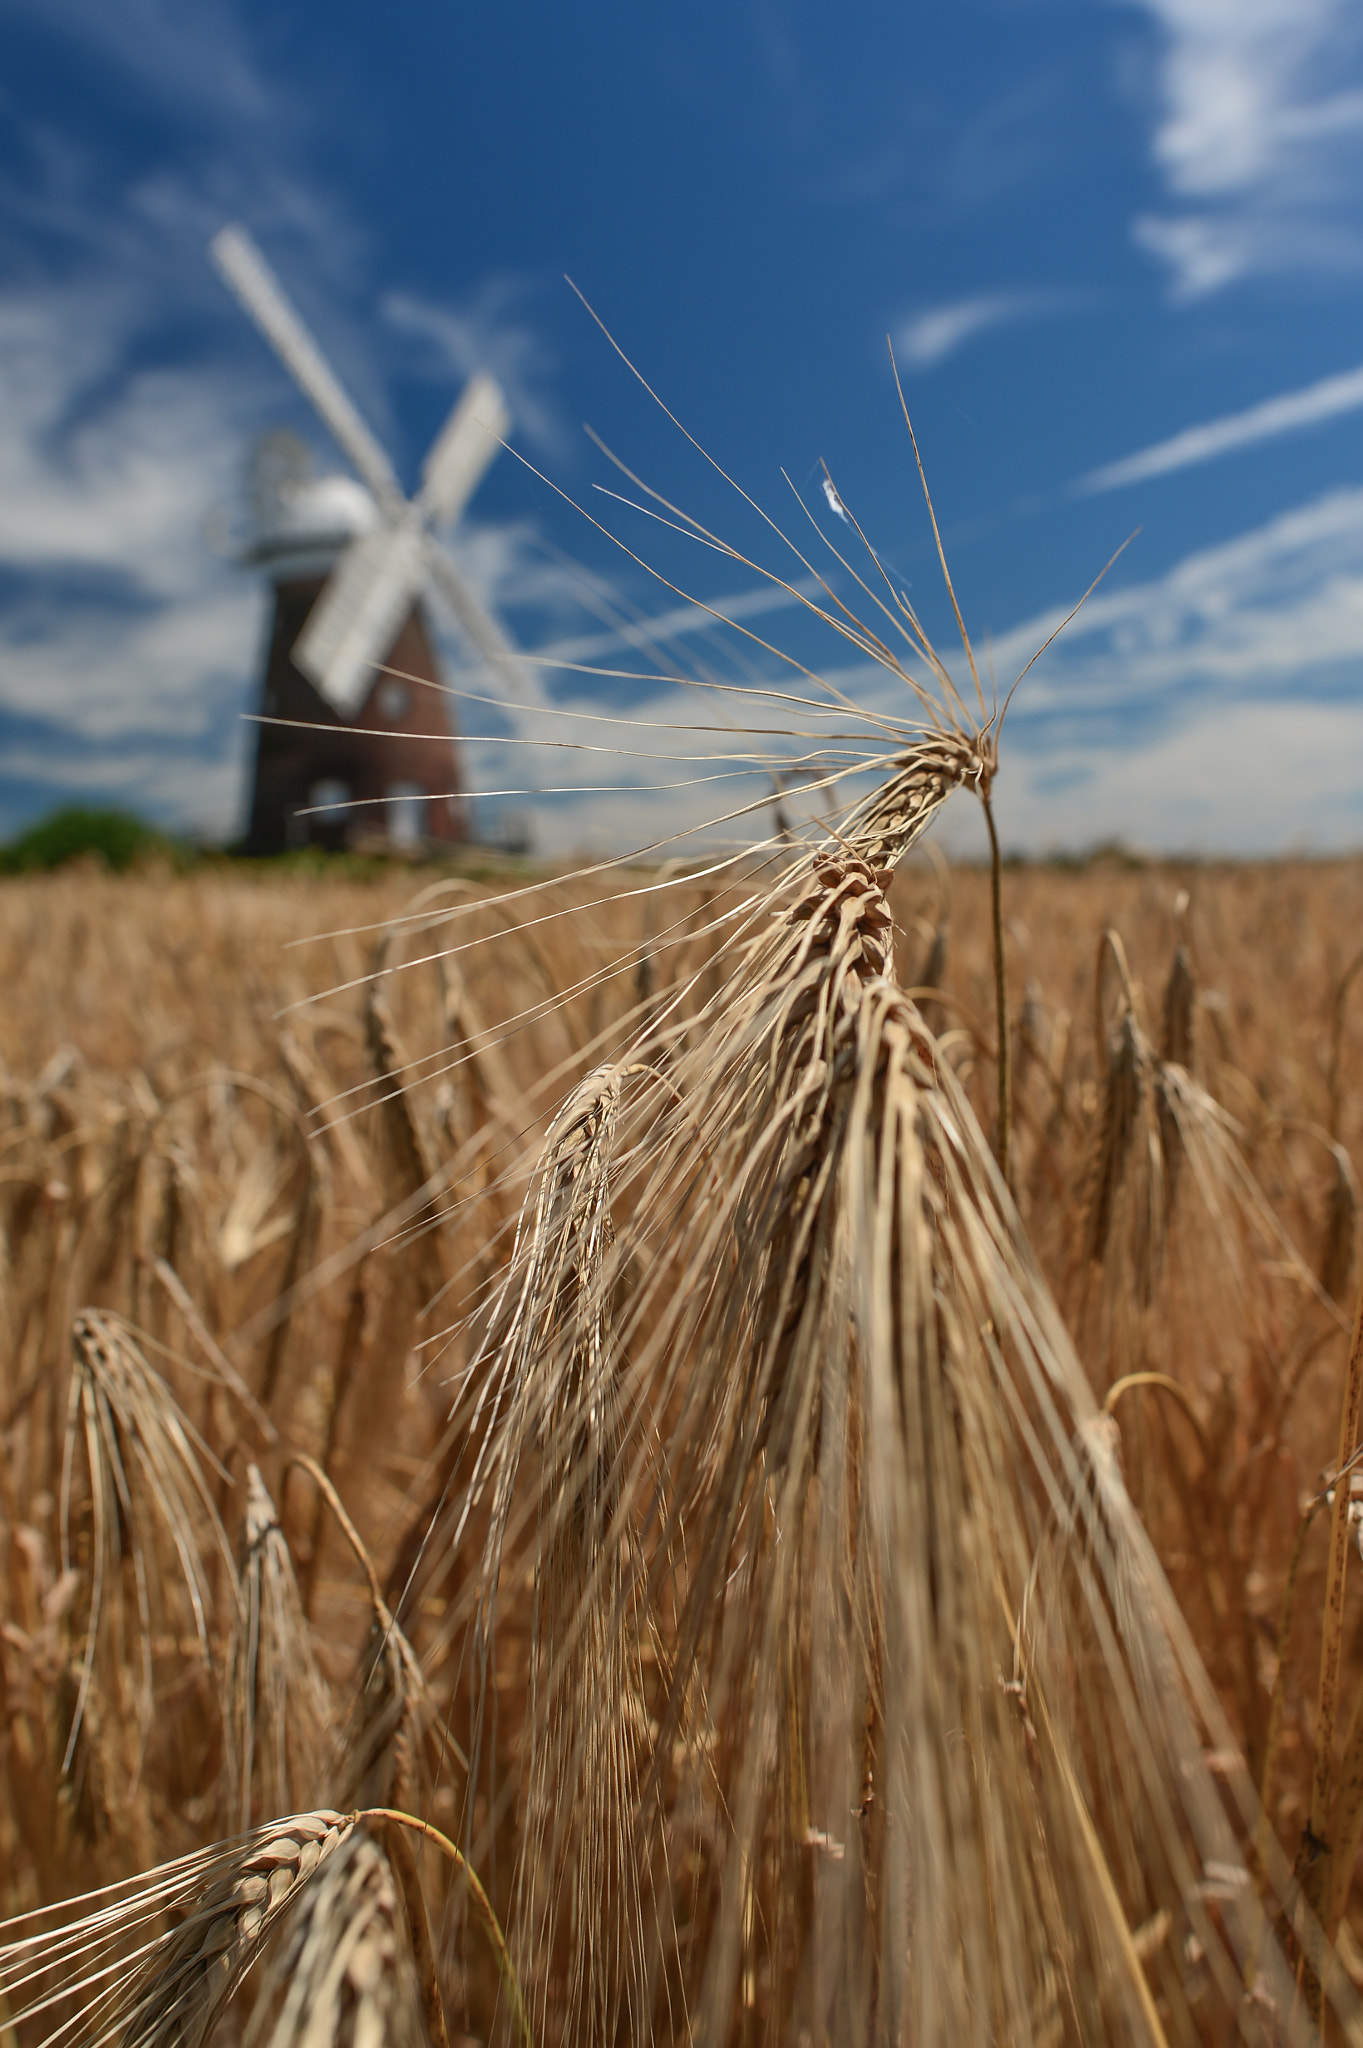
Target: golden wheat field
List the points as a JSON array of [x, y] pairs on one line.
[[551, 1490]]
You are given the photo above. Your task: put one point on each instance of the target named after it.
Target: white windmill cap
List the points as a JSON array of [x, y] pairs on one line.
[[304, 522]]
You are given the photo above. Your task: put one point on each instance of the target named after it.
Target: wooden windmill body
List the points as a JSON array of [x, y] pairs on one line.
[[355, 743], [388, 774]]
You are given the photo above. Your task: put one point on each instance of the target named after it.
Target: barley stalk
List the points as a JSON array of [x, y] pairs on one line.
[[389, 1817], [392, 1708]]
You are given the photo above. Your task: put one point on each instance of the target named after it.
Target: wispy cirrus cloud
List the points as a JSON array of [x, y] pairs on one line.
[[1258, 139], [929, 336], [490, 332], [1218, 705], [1258, 615], [1289, 413], [199, 58], [1275, 778]]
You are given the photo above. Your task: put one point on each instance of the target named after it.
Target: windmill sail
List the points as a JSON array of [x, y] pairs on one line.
[[378, 576], [353, 623], [463, 450], [255, 284]]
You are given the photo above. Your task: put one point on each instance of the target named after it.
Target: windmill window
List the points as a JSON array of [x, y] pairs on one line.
[[395, 700], [329, 794], [406, 808]]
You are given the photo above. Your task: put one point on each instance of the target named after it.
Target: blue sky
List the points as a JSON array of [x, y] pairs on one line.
[[1118, 248]]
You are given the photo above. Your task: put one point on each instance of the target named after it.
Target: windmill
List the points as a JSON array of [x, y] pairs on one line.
[[351, 563]]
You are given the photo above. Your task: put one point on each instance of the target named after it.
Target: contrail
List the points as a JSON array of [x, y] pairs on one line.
[[1322, 401]]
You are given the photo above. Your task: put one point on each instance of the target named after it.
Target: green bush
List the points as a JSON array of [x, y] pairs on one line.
[[115, 837]]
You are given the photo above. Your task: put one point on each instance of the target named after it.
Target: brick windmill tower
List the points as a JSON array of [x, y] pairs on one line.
[[357, 755]]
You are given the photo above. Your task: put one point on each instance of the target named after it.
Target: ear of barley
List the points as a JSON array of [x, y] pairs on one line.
[[414, 1173], [147, 1494], [921, 1686], [120, 1973], [548, 1431], [341, 1971], [1110, 1202], [1147, 1296], [380, 1746], [279, 1710], [932, 974]]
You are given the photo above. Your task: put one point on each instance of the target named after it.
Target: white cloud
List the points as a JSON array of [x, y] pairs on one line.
[[1239, 77], [1219, 706], [1259, 140], [1202, 254], [654, 632], [1324, 400], [118, 482], [205, 793], [1270, 779], [127, 638], [662, 758], [929, 336], [1254, 615]]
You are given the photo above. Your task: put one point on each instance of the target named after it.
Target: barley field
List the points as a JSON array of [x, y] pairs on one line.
[[552, 1489]]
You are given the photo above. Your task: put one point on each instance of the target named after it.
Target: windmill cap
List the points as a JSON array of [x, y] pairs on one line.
[[306, 521]]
